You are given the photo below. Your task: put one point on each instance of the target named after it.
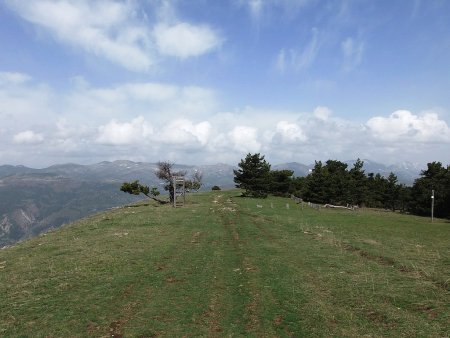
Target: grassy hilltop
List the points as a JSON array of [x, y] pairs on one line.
[[221, 266]]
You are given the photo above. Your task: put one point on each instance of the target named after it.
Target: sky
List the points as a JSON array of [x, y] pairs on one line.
[[208, 81]]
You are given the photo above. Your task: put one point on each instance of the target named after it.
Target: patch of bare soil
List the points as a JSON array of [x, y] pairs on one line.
[[248, 267], [173, 280], [253, 323], [379, 259], [278, 320], [115, 329], [428, 310], [92, 328], [160, 267], [379, 318], [195, 237], [212, 316]]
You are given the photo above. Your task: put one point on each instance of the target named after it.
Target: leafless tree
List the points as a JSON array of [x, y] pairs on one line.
[[166, 173]]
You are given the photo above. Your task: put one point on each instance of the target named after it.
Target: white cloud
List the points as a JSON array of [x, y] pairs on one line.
[[307, 57], [255, 7], [161, 101], [166, 124], [299, 59], [13, 78], [105, 28], [117, 31], [280, 63], [352, 51], [149, 91], [185, 132], [402, 125], [28, 137], [127, 133], [22, 99], [322, 113], [260, 9], [244, 139], [289, 133], [184, 40]]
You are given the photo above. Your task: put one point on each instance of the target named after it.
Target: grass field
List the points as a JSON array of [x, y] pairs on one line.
[[220, 266]]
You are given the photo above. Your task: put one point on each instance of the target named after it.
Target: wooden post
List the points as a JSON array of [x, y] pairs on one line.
[[179, 188]]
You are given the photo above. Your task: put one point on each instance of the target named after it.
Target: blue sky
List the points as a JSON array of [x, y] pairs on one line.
[[208, 81]]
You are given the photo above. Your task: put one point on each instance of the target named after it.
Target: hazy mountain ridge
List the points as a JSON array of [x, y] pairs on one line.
[[36, 200]]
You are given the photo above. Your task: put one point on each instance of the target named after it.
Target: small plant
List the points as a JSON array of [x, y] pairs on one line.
[[216, 187]]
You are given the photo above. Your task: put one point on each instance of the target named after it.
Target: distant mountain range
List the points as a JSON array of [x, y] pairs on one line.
[[36, 200]]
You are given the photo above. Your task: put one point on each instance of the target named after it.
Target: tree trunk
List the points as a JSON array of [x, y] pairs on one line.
[[157, 199]]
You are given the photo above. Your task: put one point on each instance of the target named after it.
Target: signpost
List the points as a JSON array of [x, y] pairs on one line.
[[179, 190]]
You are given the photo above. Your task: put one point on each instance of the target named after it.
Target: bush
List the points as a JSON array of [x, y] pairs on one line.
[[215, 188]]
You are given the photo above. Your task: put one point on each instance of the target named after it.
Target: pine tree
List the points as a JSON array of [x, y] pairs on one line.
[[357, 184], [253, 176]]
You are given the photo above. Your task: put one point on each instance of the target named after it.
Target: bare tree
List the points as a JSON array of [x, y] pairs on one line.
[[196, 182], [166, 173]]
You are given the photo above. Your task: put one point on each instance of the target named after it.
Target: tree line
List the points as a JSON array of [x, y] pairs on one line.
[[333, 182]]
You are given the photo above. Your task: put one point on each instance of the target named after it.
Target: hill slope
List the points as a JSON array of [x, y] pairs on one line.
[[35, 200], [221, 266]]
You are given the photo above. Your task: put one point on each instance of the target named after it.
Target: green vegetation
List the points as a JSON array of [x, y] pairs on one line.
[[221, 266], [253, 176], [166, 173], [436, 178], [135, 188], [332, 183]]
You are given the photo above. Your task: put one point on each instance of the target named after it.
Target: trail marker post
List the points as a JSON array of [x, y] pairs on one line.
[[432, 206]]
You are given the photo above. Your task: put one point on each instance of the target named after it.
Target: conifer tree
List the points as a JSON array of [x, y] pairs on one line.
[[253, 176]]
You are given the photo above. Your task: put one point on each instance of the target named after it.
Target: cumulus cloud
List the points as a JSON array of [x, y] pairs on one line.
[[402, 125], [127, 133], [117, 31], [322, 113], [28, 137], [289, 133], [184, 132], [151, 121], [244, 139], [184, 40]]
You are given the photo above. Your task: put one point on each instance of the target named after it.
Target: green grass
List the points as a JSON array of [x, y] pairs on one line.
[[220, 266]]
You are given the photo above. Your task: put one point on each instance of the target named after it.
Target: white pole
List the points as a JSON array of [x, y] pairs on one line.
[[432, 205], [174, 192]]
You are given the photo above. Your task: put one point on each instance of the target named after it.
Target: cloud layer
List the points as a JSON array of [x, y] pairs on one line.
[[184, 124]]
